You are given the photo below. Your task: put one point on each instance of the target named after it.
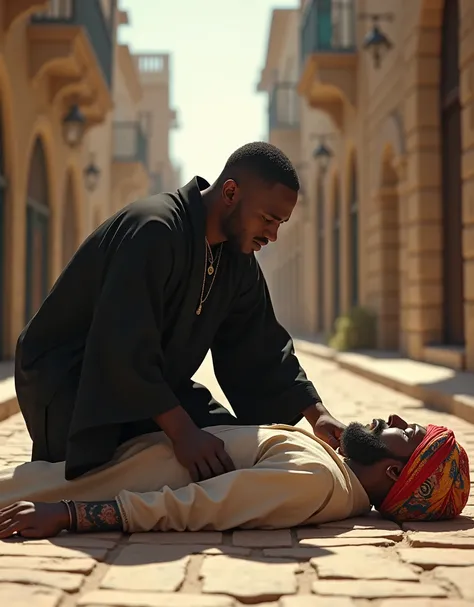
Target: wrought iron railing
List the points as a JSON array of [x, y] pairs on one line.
[[90, 15], [284, 107], [328, 26], [130, 143]]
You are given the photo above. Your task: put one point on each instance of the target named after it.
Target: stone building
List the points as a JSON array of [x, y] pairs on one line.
[[384, 144], [77, 112], [142, 122]]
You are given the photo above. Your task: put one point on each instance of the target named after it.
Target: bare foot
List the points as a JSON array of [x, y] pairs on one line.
[[36, 520]]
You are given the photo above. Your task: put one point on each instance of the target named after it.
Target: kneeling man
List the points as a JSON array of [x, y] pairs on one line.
[[284, 477]]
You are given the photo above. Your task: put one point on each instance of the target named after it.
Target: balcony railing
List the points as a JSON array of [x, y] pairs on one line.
[[284, 108], [152, 62], [89, 15], [130, 143], [328, 26]]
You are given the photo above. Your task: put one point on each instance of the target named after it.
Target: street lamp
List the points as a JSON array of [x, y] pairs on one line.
[[74, 124], [322, 153], [91, 175], [376, 41]]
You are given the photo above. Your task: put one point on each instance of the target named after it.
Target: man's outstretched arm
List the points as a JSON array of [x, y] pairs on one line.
[[269, 495]]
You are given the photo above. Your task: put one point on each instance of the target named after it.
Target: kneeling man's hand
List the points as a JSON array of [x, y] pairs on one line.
[[203, 454], [328, 429]]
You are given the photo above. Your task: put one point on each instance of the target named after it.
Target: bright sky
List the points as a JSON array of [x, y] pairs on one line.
[[218, 48]]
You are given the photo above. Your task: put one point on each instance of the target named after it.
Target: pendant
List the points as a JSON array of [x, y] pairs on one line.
[[199, 310], [210, 270]]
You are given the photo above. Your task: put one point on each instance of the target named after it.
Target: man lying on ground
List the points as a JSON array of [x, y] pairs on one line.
[[284, 477]]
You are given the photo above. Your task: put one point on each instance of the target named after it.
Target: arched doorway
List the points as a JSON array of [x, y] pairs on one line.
[[69, 224], [37, 232], [320, 202], [353, 235], [2, 233], [453, 295], [336, 248]]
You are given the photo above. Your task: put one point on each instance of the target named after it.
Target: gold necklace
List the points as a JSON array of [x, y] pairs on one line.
[[207, 270], [210, 269]]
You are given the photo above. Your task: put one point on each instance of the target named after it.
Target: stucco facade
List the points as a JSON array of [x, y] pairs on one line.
[[54, 56], [389, 224]]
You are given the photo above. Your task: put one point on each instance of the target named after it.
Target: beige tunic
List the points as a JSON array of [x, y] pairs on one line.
[[284, 477]]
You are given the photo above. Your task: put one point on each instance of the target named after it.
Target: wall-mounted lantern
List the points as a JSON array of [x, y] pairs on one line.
[[91, 175], [322, 153], [74, 124], [376, 41]]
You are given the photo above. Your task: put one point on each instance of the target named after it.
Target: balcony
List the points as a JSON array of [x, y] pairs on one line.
[[70, 46], [329, 56], [130, 143], [130, 161], [284, 118], [284, 109], [153, 68]]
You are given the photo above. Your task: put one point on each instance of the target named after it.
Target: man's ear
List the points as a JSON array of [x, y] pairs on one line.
[[229, 192], [393, 470]]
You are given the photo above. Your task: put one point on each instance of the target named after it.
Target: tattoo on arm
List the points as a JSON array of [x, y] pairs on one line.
[[98, 516]]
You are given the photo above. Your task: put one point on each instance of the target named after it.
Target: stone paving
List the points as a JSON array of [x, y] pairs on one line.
[[357, 562]]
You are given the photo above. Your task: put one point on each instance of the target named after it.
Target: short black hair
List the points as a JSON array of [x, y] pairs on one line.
[[265, 161]]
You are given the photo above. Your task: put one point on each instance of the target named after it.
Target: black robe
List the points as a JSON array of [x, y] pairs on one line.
[[117, 340]]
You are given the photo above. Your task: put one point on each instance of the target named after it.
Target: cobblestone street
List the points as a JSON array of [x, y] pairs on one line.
[[355, 562]]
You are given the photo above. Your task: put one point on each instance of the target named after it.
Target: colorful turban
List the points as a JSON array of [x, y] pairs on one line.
[[434, 484]]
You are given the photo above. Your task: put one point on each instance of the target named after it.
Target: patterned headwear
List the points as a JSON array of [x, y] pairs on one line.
[[434, 484]]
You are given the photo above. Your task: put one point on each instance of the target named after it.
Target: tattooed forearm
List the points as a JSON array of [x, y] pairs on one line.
[[98, 516]]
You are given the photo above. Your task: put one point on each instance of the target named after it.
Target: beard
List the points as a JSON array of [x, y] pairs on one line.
[[362, 445]]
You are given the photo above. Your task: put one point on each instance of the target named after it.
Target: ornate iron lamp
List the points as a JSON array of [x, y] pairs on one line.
[[91, 175], [376, 41], [323, 153], [74, 124]]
